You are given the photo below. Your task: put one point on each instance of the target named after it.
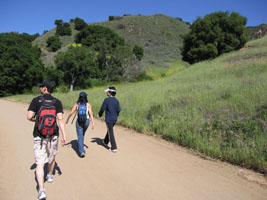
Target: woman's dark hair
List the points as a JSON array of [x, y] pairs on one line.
[[82, 100], [112, 93]]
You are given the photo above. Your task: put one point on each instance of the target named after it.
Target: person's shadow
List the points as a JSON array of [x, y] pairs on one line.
[[99, 142], [56, 170], [74, 146]]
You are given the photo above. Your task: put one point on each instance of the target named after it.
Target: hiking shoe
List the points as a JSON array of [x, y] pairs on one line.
[[50, 178], [82, 155], [41, 195], [114, 150]]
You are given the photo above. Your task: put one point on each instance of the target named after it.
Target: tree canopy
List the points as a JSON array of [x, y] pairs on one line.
[[53, 43], [79, 23], [62, 28], [20, 64], [77, 64], [91, 35], [215, 34]]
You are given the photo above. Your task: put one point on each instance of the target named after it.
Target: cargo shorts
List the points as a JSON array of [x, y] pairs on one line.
[[45, 150]]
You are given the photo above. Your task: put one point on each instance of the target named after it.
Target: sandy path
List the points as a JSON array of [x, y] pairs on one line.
[[144, 167]]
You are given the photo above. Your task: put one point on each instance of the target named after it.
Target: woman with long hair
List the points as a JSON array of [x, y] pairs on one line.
[[85, 115]]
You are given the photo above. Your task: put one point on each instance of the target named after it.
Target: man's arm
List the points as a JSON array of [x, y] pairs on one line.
[[62, 127], [103, 108], [30, 116]]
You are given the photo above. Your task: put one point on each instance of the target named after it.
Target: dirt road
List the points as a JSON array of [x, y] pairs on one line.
[[143, 168]]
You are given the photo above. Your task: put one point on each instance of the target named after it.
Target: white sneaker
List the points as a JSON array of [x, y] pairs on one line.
[[114, 150], [50, 178], [41, 195]]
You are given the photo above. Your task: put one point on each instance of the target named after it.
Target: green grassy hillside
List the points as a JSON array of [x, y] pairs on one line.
[[159, 35], [218, 107]]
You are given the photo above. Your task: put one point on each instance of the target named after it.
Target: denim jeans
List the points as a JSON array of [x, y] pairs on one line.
[[80, 129]]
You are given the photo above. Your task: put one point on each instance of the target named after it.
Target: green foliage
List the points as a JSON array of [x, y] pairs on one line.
[[143, 76], [160, 42], [63, 28], [111, 18], [77, 64], [94, 34], [79, 23], [20, 66], [59, 22], [53, 74], [53, 43], [112, 55], [63, 89], [138, 52], [215, 34]]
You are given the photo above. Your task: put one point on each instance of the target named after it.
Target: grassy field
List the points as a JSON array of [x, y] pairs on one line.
[[218, 107]]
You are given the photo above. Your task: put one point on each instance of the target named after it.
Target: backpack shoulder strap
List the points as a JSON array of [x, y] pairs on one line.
[[42, 98], [54, 101]]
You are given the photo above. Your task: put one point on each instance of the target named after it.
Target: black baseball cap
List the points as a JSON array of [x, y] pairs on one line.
[[46, 83], [83, 94]]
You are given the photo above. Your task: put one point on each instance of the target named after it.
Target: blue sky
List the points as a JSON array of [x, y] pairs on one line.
[[35, 16]]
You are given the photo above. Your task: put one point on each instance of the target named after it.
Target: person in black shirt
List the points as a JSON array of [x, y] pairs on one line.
[[111, 107], [46, 148]]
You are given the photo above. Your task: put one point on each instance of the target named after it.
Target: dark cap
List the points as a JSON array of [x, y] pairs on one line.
[[83, 94], [46, 83]]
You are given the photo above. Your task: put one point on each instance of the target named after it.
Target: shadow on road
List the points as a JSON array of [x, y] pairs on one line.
[[74, 146], [99, 142], [56, 170]]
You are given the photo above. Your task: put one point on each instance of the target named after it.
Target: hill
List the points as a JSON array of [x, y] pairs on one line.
[[257, 31], [159, 35]]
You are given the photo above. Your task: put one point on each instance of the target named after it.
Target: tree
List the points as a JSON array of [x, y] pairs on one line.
[[138, 52], [58, 22], [20, 64], [215, 34], [62, 28], [53, 74], [91, 35], [53, 43], [77, 64], [79, 24]]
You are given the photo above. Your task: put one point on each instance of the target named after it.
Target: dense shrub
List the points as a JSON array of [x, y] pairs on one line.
[[20, 64], [62, 28], [215, 34], [138, 52], [79, 23], [53, 43]]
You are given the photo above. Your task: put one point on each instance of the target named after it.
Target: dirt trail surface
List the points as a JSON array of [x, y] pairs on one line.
[[144, 167]]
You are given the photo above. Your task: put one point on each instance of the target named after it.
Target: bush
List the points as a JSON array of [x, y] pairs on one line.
[[144, 76], [79, 24], [62, 89], [215, 34], [53, 43], [63, 29], [138, 52]]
